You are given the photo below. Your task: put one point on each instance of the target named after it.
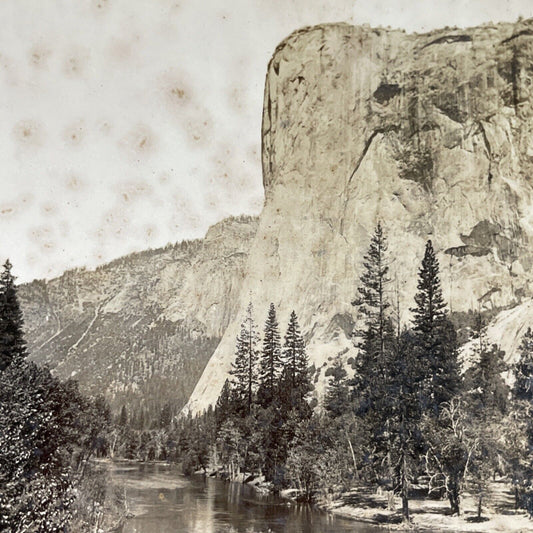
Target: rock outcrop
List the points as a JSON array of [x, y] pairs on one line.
[[506, 330], [430, 134]]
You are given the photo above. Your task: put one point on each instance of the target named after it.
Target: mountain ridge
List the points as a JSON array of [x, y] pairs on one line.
[[430, 134]]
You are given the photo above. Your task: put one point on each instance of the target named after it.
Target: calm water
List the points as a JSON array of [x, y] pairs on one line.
[[166, 502]]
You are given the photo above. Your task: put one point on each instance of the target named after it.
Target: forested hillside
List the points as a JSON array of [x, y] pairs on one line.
[[141, 329]]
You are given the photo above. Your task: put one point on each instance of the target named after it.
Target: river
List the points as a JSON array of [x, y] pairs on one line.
[[164, 501]]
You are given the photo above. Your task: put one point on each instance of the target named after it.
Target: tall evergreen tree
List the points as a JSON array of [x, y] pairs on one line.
[[244, 370], [375, 338], [521, 418], [405, 441], [295, 380], [373, 383], [435, 337], [523, 385], [12, 344], [223, 407], [270, 363], [484, 382], [487, 403]]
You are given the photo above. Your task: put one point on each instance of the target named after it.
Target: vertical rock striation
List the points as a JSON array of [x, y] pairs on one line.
[[431, 134]]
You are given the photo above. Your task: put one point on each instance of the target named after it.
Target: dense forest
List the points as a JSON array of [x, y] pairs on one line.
[[49, 433], [402, 416], [405, 418]]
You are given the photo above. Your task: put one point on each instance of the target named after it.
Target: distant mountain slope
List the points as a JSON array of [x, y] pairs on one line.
[[142, 327], [431, 134]]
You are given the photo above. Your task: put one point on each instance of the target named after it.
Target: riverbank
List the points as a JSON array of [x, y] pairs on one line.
[[370, 507], [255, 481], [426, 514]]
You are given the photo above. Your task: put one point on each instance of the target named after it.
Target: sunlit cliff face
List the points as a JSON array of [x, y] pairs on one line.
[[429, 134]]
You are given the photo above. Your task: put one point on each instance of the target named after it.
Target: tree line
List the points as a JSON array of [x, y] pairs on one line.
[[48, 434], [401, 414], [405, 416]]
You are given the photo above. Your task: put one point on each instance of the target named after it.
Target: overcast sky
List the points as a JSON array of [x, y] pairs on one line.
[[128, 124]]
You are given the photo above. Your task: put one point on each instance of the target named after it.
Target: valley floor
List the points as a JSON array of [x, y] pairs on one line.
[[499, 514], [366, 505]]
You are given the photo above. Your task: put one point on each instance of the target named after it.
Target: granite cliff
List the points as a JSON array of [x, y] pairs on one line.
[[431, 134]]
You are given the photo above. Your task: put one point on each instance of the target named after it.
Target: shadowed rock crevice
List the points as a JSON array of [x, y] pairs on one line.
[[462, 251], [386, 91], [527, 32], [486, 235], [341, 322], [448, 39]]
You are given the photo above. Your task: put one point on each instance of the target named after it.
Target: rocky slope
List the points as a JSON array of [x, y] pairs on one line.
[[506, 330], [142, 328], [431, 134]]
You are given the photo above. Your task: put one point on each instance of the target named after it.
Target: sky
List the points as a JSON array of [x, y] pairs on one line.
[[129, 124]]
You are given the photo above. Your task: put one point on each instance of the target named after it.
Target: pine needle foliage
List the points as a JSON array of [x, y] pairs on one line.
[[12, 344], [435, 339], [244, 370], [270, 365]]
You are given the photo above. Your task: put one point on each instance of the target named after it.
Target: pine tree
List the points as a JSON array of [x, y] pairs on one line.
[[295, 381], [375, 338], [337, 401], [486, 395], [520, 420], [404, 419], [523, 386], [244, 370], [223, 407], [435, 337], [12, 344], [270, 363], [373, 380], [484, 381]]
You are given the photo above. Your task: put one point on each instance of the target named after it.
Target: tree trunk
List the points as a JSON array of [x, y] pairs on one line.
[[353, 457], [479, 501], [405, 491], [453, 497], [405, 506], [390, 500]]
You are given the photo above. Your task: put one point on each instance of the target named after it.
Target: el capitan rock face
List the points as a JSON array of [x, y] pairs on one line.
[[430, 134]]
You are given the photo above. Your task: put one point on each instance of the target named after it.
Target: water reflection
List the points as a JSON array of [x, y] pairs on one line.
[[166, 502]]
